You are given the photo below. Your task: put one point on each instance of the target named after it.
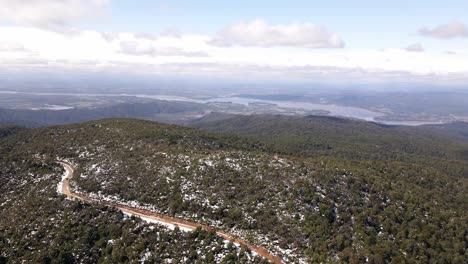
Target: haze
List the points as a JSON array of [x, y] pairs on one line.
[[395, 62]]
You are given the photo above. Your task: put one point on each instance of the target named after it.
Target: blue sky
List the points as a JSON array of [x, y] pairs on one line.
[[365, 40], [363, 24]]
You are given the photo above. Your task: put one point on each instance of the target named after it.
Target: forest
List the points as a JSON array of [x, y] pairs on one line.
[[333, 206]]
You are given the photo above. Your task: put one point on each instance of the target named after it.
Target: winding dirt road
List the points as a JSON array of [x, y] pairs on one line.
[[159, 217]]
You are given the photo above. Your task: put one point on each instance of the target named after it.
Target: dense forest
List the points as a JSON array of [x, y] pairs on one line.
[[323, 201], [458, 130], [443, 147], [38, 225], [9, 130]]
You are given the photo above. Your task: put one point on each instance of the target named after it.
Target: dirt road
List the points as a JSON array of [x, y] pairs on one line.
[[159, 217]]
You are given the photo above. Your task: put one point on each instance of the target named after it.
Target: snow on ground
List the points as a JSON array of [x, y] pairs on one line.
[[145, 257], [183, 229], [60, 184], [167, 225]]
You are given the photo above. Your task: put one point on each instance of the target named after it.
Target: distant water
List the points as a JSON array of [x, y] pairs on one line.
[[410, 123], [53, 107], [333, 110]]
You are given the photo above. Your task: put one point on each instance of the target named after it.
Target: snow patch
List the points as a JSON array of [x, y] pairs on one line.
[[60, 184], [154, 221]]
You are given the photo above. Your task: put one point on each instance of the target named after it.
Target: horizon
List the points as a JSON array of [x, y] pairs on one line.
[[337, 43]]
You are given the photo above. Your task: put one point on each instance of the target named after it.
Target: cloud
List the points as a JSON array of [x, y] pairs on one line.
[[293, 73], [147, 36], [24, 62], [51, 14], [137, 49], [109, 36], [260, 34], [190, 54], [451, 30], [171, 33], [416, 47], [12, 47]]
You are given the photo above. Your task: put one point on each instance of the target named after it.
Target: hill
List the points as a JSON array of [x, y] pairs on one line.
[[455, 129], [155, 110], [302, 208], [6, 130], [38, 225], [315, 136]]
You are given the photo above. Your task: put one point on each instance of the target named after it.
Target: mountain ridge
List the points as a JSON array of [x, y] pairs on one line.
[[314, 136]]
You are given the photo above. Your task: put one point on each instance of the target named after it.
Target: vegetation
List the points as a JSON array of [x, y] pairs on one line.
[[149, 110], [457, 130], [303, 207], [38, 225], [6, 131], [318, 136]]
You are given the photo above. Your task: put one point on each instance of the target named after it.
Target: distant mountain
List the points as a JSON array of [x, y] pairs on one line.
[[152, 111], [314, 136], [307, 206], [211, 117]]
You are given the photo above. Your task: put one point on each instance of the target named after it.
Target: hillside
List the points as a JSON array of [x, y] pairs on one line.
[[315, 136], [455, 129], [6, 131], [155, 110], [38, 225], [304, 208]]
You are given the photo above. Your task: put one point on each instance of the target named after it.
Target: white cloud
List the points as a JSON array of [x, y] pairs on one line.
[[259, 33], [11, 47], [416, 47], [173, 33], [52, 14], [144, 49], [147, 36], [188, 54], [451, 30], [109, 36]]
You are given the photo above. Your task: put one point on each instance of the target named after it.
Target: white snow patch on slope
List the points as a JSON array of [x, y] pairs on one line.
[[60, 184], [167, 225]]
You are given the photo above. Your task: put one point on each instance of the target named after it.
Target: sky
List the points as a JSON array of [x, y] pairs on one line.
[[414, 41]]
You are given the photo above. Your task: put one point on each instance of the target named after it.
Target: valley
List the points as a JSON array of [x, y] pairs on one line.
[[401, 108]]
